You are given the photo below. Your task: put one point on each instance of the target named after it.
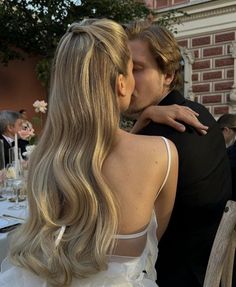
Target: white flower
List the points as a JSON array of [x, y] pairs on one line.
[[40, 106], [29, 149]]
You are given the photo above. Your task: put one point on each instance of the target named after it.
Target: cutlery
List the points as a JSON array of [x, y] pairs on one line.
[[8, 228], [12, 216]]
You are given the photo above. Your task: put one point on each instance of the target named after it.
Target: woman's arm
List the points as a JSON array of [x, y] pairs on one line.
[[170, 115]]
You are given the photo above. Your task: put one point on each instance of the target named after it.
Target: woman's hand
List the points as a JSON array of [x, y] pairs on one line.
[[170, 115]]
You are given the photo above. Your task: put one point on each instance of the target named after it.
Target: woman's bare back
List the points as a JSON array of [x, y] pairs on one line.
[[135, 171]]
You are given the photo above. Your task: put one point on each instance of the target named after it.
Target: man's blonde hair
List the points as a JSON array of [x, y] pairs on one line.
[[162, 45]]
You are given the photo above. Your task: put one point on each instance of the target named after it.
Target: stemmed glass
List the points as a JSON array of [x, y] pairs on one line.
[[15, 179], [2, 169], [17, 185]]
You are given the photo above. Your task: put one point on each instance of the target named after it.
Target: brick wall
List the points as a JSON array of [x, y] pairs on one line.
[[162, 4], [213, 68], [19, 86]]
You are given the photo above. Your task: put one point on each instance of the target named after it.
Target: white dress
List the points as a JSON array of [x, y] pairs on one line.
[[122, 271]]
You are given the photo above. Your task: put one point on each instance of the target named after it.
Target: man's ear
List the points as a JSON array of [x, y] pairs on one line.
[[169, 78], [9, 128], [226, 129], [121, 87]]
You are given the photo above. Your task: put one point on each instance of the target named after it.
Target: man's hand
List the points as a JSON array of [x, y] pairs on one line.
[[170, 115]]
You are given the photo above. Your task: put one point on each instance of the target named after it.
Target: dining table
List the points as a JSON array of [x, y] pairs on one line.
[[10, 218]]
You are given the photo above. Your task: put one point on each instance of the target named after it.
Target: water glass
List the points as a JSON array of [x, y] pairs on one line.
[[2, 167], [17, 185]]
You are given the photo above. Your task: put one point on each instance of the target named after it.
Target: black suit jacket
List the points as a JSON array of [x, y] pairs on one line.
[[204, 186], [231, 151], [21, 144], [6, 146]]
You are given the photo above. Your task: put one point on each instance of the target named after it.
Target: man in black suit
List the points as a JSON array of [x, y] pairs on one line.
[[204, 182], [10, 124]]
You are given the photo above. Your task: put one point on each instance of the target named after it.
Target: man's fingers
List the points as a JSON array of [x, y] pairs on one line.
[[176, 125], [192, 121], [203, 132], [191, 111]]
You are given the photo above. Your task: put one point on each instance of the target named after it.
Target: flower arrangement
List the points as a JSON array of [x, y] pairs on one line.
[[40, 107], [29, 149]]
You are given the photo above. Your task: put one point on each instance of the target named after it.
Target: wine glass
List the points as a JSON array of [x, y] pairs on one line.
[[9, 176], [2, 169], [17, 185], [14, 184]]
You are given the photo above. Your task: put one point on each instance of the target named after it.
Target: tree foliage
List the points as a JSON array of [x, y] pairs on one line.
[[121, 11], [170, 19], [34, 27]]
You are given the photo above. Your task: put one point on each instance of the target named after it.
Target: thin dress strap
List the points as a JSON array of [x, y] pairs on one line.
[[139, 234], [131, 236], [168, 164]]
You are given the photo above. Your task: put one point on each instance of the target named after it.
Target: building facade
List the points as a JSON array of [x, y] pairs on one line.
[[207, 37]]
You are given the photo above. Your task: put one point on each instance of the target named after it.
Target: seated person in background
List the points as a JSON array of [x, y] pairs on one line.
[[26, 124], [27, 131], [10, 124], [94, 190], [227, 123]]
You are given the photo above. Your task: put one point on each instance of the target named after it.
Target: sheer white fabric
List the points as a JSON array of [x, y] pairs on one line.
[[122, 271]]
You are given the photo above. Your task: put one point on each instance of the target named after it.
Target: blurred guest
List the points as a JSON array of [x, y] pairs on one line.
[[10, 124], [227, 123], [26, 124], [27, 132]]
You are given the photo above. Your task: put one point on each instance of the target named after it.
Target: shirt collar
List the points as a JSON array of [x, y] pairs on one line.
[[8, 139], [174, 97]]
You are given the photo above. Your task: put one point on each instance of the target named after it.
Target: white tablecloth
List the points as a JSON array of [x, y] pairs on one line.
[[4, 209]]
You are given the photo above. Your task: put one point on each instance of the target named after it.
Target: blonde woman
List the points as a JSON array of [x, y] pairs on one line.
[[94, 190]]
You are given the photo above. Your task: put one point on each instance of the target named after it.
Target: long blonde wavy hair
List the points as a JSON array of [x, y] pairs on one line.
[[66, 185]]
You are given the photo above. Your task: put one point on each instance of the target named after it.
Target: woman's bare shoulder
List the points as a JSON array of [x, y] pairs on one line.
[[139, 154], [148, 144]]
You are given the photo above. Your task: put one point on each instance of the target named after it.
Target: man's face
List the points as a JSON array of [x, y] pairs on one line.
[[13, 129], [150, 82], [18, 125]]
